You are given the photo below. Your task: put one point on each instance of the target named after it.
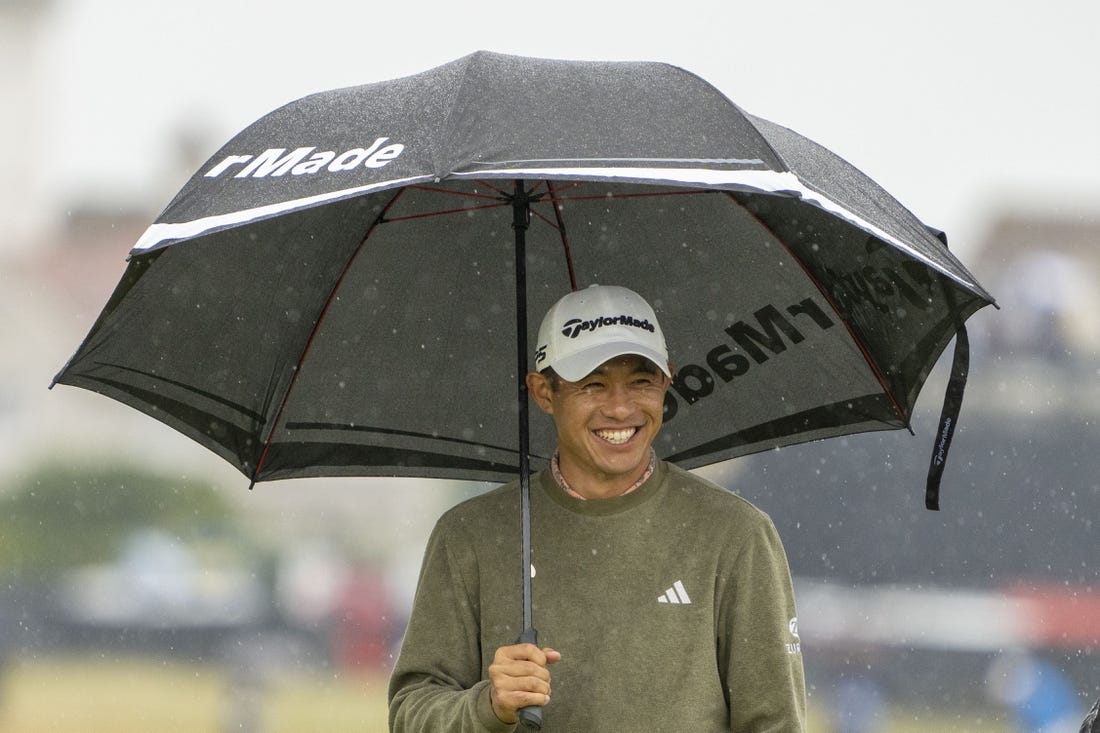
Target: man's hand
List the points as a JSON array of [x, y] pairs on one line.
[[518, 678]]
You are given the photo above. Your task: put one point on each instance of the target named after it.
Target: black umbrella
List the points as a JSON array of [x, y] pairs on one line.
[[339, 289]]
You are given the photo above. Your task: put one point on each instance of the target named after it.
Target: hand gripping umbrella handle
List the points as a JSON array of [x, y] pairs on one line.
[[530, 717]]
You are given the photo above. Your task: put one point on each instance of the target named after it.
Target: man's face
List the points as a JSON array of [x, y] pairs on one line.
[[606, 423]]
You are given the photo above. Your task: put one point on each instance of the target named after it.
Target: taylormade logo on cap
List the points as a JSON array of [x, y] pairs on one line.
[[587, 327], [576, 326]]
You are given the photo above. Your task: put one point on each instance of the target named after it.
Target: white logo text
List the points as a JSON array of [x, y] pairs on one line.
[[304, 161]]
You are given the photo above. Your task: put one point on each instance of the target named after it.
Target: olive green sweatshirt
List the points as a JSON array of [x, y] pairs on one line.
[[671, 606]]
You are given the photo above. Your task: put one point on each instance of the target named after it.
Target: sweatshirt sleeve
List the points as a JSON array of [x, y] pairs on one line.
[[437, 681], [760, 655]]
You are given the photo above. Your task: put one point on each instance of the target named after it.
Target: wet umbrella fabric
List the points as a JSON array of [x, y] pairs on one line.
[[335, 291]]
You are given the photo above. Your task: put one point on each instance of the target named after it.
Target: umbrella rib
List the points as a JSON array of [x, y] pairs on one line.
[[313, 333], [774, 431], [499, 198], [567, 250], [393, 431], [501, 193], [556, 198], [241, 409], [641, 195], [428, 214], [464, 194], [395, 462], [856, 339]]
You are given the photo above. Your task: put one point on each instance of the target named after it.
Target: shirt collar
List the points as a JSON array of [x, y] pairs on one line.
[[555, 469]]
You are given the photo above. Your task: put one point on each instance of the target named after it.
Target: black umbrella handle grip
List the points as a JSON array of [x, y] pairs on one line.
[[530, 717]]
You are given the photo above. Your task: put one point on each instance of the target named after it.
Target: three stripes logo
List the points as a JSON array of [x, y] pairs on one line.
[[676, 594]]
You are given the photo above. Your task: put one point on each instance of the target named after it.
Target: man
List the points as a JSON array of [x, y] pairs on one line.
[[665, 601]]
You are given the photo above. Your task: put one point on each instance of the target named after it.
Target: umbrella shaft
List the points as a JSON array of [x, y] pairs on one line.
[[520, 219]]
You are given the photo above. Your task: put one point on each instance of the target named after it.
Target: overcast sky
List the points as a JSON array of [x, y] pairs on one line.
[[955, 107]]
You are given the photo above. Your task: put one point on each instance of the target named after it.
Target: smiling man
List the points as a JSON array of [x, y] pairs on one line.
[[603, 373], [665, 600]]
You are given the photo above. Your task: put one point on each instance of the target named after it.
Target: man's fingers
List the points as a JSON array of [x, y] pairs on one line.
[[507, 704], [519, 678], [528, 652], [523, 686], [509, 694], [516, 674]]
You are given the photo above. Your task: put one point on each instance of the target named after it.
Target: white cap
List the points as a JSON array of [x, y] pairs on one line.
[[587, 327]]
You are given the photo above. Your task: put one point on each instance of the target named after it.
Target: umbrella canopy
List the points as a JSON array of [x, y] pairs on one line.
[[334, 292]]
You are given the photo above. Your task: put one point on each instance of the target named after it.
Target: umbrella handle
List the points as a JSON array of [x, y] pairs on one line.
[[530, 717]]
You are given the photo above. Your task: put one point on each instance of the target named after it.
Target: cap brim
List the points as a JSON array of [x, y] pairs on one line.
[[576, 367]]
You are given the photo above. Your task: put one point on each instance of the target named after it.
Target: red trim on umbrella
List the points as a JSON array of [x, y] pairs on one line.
[[567, 250], [443, 212], [313, 333], [847, 326]]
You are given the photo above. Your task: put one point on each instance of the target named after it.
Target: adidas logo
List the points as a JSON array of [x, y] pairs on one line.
[[676, 594]]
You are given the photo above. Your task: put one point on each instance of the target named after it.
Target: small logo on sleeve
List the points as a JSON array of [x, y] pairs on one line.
[[794, 647]]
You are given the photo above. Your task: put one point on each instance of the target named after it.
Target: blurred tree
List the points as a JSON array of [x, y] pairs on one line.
[[56, 516]]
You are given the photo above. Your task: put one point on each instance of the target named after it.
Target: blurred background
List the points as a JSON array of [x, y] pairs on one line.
[[143, 587]]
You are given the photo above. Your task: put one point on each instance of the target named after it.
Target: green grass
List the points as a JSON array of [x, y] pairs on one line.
[[74, 694], [96, 694]]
